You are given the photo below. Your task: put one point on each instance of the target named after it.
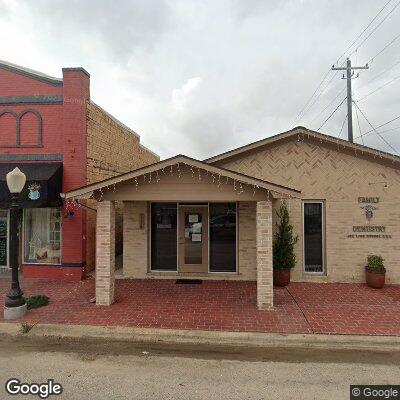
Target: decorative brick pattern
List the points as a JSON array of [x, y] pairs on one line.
[[338, 177], [105, 253], [264, 255]]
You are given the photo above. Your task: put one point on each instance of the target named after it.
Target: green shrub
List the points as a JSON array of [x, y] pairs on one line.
[[284, 241], [375, 263], [26, 328], [37, 301]]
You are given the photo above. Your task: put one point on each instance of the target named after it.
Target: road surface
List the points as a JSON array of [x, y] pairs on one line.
[[94, 370]]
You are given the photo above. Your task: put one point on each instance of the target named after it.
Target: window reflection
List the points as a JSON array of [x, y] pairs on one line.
[[163, 236], [223, 237]]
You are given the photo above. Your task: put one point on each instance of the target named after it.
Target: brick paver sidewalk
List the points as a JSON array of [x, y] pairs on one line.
[[221, 305]]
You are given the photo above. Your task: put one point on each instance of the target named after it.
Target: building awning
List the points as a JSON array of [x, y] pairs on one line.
[[137, 184], [43, 184]]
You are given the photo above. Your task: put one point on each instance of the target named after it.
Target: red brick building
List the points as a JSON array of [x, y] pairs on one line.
[[61, 140]]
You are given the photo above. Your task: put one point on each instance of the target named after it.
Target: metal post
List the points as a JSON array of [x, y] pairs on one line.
[[14, 297], [349, 103], [349, 76]]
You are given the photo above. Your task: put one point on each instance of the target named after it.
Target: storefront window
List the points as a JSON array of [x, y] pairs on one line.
[[42, 235], [163, 236], [222, 237]]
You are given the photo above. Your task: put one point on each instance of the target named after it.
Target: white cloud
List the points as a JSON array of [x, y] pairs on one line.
[[200, 77], [181, 97]]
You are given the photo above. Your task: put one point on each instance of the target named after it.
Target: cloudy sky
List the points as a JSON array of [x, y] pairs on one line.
[[200, 77]]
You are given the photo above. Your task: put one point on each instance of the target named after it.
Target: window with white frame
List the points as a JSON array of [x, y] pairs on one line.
[[42, 235]]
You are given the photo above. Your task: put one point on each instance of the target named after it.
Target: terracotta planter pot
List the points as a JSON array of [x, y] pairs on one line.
[[375, 279], [281, 277]]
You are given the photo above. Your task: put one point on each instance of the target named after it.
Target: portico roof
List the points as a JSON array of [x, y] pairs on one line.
[[275, 189]]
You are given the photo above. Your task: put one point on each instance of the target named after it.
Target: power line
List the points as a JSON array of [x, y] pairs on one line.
[[379, 88], [365, 29], [341, 129], [380, 74], [327, 106], [384, 48], [333, 112], [381, 132], [307, 105], [321, 92], [380, 126], [375, 130], [308, 101], [376, 27], [359, 127]]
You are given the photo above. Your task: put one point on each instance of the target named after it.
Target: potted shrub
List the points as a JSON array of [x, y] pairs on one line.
[[283, 249], [375, 272]]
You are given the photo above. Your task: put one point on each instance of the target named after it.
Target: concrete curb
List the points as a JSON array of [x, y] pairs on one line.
[[211, 338]]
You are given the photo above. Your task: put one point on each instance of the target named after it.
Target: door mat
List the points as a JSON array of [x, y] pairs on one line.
[[188, 281]]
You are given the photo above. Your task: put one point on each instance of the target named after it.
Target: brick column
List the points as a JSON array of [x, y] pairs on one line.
[[264, 255], [105, 253]]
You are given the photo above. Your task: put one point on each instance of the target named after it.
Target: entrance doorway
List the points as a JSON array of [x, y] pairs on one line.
[[193, 239]]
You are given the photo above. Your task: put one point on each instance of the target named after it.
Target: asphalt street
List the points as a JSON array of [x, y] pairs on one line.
[[98, 370]]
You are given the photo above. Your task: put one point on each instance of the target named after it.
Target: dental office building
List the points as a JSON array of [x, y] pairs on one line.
[[215, 218]]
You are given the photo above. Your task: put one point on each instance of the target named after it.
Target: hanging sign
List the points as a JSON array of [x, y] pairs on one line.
[[34, 193]]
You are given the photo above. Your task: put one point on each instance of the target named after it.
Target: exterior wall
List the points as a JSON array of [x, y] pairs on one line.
[[61, 105], [112, 149], [91, 144], [247, 246], [337, 177], [135, 256], [76, 93]]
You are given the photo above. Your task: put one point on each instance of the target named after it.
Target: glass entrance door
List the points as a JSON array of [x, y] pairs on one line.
[[3, 238], [193, 239]]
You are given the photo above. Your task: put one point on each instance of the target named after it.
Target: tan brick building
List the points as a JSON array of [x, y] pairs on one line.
[[112, 149], [215, 219]]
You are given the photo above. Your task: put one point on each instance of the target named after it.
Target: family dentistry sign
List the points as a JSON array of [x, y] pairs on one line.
[[368, 204]]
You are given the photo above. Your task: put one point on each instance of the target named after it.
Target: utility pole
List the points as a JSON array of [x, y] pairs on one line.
[[349, 76]]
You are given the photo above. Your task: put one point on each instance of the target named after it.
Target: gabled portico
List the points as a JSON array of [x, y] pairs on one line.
[[185, 218]]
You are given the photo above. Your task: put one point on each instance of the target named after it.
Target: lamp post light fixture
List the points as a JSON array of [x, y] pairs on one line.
[[14, 305]]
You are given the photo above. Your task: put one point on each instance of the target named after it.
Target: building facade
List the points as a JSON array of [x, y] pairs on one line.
[[52, 130], [215, 219]]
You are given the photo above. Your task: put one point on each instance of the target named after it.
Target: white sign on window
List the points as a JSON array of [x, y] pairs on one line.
[[196, 237], [193, 218]]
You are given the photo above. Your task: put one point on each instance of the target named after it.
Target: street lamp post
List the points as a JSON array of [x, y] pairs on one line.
[[14, 305]]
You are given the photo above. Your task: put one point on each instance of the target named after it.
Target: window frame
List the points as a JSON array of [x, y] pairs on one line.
[[323, 272], [190, 204], [23, 236], [236, 271], [149, 247]]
